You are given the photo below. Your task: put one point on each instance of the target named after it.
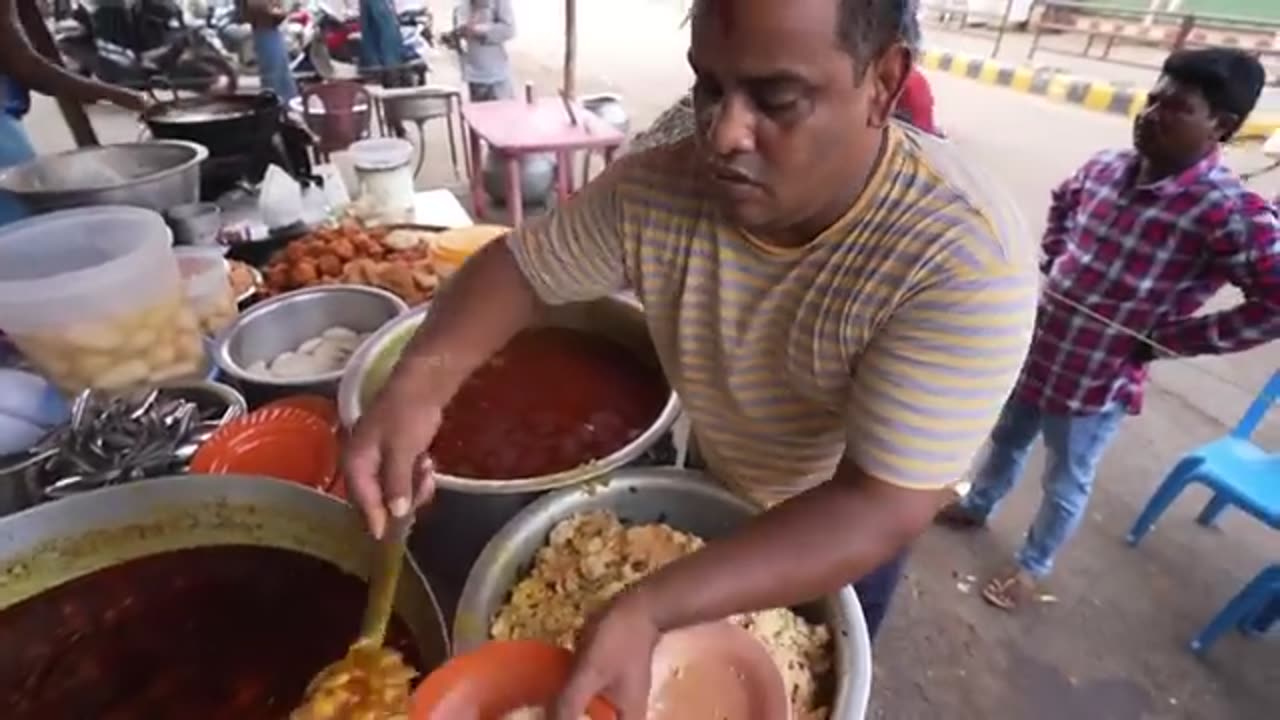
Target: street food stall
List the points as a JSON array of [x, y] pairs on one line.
[[174, 528]]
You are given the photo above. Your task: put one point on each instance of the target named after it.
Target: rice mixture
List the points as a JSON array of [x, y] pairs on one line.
[[592, 556]]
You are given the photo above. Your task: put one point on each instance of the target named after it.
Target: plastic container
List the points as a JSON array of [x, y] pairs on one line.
[[93, 298], [385, 179], [451, 248], [208, 288]]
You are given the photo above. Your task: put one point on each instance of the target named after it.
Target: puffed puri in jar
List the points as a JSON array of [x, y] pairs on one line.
[[151, 344]]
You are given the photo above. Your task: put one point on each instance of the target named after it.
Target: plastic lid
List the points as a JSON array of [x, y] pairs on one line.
[[41, 257], [381, 153]]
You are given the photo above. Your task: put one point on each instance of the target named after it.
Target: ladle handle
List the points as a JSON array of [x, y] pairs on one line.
[[385, 575]]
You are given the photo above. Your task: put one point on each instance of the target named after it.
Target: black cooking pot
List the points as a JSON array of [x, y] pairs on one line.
[[228, 125], [244, 133]]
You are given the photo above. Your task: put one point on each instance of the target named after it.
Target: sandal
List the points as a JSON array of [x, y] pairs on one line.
[[1009, 590], [955, 516]]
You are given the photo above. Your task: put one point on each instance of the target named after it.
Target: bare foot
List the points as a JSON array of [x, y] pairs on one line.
[[957, 517], [1010, 589]]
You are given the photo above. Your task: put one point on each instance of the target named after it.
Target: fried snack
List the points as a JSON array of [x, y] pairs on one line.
[[241, 277], [370, 683], [351, 254]]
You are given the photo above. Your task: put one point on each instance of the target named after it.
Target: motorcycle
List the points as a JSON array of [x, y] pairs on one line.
[[146, 46], [340, 35], [234, 34]]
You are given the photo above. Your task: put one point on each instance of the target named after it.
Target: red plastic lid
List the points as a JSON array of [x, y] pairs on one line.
[[283, 443], [497, 678]]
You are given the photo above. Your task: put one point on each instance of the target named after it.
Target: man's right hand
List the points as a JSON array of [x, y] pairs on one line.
[[386, 463]]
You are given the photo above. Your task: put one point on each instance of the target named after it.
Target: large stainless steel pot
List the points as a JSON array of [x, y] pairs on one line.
[[467, 511], [156, 175], [51, 544], [683, 499]]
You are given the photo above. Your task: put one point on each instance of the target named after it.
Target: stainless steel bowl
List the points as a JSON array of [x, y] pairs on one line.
[[51, 544], [284, 322], [156, 175], [683, 499], [618, 318]]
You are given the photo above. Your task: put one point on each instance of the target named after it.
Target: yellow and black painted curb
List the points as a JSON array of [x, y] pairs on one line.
[[1058, 86]]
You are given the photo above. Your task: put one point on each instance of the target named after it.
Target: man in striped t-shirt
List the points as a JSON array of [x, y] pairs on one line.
[[841, 307]]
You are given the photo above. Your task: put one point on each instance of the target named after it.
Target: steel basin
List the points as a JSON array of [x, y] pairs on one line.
[[284, 322], [49, 545], [466, 512], [686, 500], [156, 175]]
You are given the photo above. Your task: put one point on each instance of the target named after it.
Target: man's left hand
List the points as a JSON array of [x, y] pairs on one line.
[[1144, 352], [613, 661]]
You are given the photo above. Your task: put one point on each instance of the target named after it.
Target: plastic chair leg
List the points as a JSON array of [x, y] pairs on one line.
[[1169, 489], [1209, 515], [1259, 591]]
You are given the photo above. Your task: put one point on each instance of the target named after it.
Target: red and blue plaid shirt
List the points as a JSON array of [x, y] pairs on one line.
[[1146, 258]]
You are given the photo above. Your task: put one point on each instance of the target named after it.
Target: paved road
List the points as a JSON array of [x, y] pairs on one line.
[[1111, 646]]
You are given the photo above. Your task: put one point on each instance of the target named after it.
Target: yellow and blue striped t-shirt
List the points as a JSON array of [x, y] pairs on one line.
[[892, 339]]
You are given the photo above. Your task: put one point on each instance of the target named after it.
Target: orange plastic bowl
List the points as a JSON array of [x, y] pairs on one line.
[[495, 679], [283, 443], [318, 405]]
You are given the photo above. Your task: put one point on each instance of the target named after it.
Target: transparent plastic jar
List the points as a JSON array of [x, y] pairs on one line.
[[208, 288], [93, 298], [385, 174]]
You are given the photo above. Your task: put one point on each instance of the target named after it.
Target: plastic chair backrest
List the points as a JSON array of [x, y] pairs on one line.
[[1258, 410], [344, 119]]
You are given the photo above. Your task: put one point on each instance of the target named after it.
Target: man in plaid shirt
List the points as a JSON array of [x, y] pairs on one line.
[[1137, 241]]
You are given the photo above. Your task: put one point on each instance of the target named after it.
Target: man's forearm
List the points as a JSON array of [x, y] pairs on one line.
[[807, 547], [1244, 326], [482, 306], [33, 70]]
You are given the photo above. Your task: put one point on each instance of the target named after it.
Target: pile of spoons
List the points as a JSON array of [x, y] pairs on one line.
[[110, 439]]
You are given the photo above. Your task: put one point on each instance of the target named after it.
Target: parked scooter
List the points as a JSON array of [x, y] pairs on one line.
[[232, 31], [147, 45], [340, 34]]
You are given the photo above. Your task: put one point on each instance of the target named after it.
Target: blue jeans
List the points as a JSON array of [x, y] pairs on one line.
[[875, 591], [1075, 444], [380, 43], [15, 149], [273, 63]]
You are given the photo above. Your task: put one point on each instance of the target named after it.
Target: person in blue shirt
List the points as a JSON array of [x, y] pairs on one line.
[[22, 67]]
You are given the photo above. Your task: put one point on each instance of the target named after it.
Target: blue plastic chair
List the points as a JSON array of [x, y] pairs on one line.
[[1253, 610], [1237, 471]]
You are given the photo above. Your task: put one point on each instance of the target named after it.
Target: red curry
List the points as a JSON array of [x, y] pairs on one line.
[[551, 400], [206, 633]]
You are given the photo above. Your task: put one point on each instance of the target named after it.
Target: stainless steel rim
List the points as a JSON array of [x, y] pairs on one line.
[[199, 154], [501, 558], [349, 409], [222, 344]]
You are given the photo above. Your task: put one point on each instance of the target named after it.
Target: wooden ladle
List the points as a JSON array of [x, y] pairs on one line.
[[370, 680]]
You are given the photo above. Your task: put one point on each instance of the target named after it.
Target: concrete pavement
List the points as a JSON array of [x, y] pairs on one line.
[[1059, 73]]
